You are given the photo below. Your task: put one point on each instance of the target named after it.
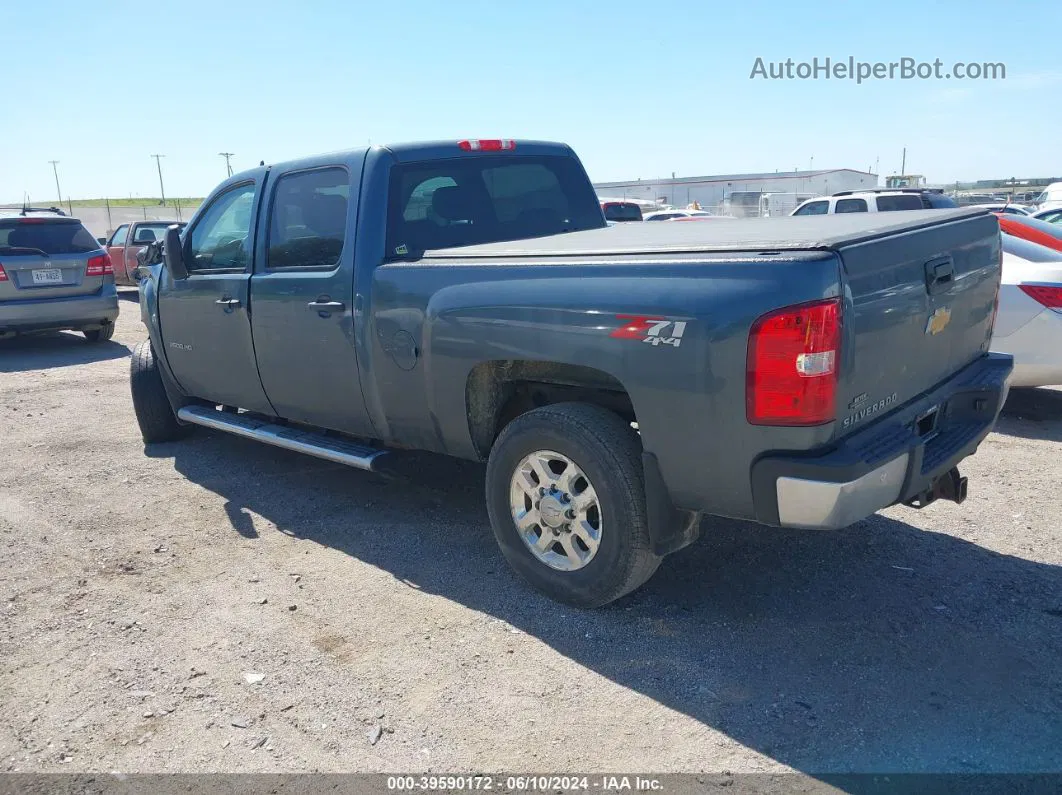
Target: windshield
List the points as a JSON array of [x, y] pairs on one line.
[[51, 237], [149, 233]]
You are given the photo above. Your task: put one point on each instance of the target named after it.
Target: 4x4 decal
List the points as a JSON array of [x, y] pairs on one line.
[[650, 330]]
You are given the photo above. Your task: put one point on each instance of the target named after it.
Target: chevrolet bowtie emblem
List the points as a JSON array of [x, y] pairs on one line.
[[938, 320]]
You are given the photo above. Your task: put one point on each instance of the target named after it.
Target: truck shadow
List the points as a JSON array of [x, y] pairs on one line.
[[880, 648], [1032, 414], [60, 349]]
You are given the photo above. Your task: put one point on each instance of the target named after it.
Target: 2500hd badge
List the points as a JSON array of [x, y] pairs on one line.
[[863, 413]]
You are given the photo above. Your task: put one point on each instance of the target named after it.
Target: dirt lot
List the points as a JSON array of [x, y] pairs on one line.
[[218, 605]]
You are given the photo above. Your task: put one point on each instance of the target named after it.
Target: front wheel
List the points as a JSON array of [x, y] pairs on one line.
[[154, 414], [566, 499]]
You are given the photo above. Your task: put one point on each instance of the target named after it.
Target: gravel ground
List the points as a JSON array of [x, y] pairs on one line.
[[216, 605]]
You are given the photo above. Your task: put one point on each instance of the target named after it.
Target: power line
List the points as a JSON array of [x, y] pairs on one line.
[[162, 190], [227, 155]]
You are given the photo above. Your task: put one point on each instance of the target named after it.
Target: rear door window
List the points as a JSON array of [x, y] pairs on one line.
[[308, 219], [47, 236], [470, 200], [905, 201], [851, 206]]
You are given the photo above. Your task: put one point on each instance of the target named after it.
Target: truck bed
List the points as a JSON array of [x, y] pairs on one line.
[[802, 233]]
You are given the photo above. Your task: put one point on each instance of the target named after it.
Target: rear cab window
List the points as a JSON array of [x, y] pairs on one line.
[[484, 199], [905, 201], [622, 211]]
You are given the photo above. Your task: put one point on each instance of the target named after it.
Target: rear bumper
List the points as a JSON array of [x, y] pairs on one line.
[[51, 314], [892, 461]]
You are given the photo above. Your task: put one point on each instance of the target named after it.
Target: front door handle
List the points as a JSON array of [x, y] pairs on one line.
[[327, 306], [228, 303]]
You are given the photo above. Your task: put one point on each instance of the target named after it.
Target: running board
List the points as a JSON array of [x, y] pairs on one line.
[[296, 439]]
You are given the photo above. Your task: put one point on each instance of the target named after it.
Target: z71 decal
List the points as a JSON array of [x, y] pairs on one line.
[[650, 330]]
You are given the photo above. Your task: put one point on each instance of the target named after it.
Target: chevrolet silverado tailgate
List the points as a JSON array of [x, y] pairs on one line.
[[921, 303]]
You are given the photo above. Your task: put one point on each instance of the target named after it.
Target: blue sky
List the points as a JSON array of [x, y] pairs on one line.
[[639, 89]]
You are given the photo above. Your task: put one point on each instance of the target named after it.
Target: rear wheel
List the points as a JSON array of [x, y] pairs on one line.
[[153, 411], [566, 498], [101, 334]]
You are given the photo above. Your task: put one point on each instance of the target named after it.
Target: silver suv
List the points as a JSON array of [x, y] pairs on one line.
[[54, 276]]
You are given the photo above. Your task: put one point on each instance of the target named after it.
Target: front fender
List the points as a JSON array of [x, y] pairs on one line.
[[149, 316]]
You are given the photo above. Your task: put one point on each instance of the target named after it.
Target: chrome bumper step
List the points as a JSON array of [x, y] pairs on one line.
[[296, 439]]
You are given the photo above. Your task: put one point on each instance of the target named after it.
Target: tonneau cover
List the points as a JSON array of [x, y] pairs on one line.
[[790, 233]]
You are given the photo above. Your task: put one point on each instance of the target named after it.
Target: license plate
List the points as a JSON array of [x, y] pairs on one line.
[[48, 276]]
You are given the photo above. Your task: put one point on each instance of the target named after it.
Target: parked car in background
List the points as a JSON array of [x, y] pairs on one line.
[[621, 211], [1051, 198], [54, 276], [673, 215], [1029, 320], [129, 240], [1034, 230], [1052, 216], [510, 326], [875, 201], [1010, 209]]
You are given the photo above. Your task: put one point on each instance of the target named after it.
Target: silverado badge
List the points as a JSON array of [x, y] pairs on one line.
[[938, 320]]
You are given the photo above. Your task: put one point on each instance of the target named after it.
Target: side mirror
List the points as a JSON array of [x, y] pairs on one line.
[[173, 253], [102, 241]]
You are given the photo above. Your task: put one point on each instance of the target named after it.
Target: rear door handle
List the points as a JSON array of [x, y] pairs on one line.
[[327, 306], [228, 303]]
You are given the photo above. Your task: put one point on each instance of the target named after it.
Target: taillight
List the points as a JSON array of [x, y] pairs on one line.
[[487, 145], [1051, 297], [791, 370], [3, 274], [100, 265]]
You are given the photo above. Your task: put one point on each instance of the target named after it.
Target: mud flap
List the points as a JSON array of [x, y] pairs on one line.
[[670, 529]]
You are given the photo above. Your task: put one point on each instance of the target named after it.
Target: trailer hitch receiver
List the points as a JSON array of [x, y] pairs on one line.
[[949, 486]]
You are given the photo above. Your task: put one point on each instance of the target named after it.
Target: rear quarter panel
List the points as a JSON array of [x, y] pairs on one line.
[[689, 400]]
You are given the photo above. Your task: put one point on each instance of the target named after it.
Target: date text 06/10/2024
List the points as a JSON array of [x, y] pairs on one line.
[[529, 783]]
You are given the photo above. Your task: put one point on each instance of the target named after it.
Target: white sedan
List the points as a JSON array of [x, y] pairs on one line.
[[1029, 322], [671, 215], [1015, 209]]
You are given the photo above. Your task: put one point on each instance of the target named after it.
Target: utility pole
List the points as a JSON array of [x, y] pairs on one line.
[[162, 190], [903, 163], [56, 172], [226, 155]]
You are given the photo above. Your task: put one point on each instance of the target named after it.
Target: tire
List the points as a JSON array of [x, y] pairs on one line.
[[608, 452], [99, 334], [154, 414]]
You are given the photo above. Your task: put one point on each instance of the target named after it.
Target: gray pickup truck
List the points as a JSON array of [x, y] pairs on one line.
[[468, 298]]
